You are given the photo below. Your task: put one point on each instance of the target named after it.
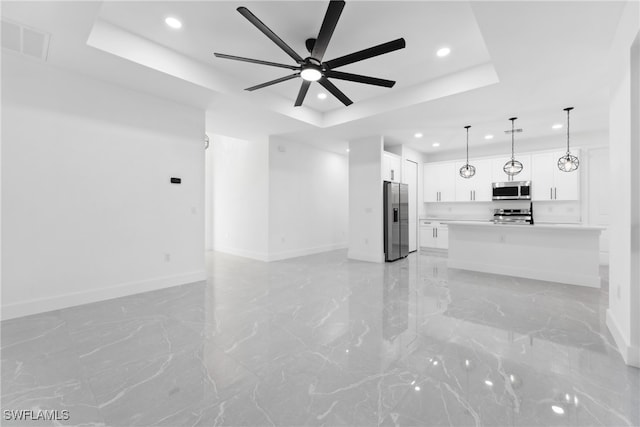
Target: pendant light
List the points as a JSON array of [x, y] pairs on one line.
[[568, 163], [512, 167], [467, 171]]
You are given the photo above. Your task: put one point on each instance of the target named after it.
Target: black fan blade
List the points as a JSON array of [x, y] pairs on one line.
[[358, 78], [267, 32], [302, 93], [256, 61], [272, 82], [366, 53], [335, 91], [326, 30]]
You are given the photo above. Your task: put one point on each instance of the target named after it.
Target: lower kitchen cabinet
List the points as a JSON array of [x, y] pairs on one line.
[[434, 235]]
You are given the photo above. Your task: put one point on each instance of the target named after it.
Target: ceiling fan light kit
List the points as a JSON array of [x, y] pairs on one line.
[[312, 69], [467, 171], [568, 162], [513, 167]]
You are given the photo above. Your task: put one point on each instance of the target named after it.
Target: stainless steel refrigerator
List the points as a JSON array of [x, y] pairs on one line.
[[396, 220]]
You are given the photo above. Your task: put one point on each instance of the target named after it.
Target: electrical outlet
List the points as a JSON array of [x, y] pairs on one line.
[[167, 257], [366, 241]]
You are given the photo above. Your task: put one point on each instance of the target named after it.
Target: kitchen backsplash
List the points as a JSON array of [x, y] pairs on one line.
[[560, 212]]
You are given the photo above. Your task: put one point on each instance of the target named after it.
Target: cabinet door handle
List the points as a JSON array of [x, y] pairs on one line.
[[436, 230], [470, 195], [391, 174], [555, 193], [551, 193], [474, 195]]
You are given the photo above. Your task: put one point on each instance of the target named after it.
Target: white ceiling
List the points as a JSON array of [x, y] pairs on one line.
[[525, 59]]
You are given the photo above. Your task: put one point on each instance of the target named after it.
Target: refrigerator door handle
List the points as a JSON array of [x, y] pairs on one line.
[[395, 214]]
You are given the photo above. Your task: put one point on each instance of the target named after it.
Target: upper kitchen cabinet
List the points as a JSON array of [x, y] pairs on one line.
[[550, 183], [478, 187], [391, 164], [497, 171], [440, 182]]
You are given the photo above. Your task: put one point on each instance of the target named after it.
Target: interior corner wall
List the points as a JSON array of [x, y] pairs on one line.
[[624, 286], [308, 199], [239, 194], [365, 199], [88, 210]]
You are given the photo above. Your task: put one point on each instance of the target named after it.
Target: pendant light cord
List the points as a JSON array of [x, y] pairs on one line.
[[513, 131], [467, 128], [568, 110]]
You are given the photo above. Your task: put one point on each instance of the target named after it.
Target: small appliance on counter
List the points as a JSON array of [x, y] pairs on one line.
[[514, 216], [511, 190], [396, 220]]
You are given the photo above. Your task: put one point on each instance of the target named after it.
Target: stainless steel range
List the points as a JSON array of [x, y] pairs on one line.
[[513, 216]]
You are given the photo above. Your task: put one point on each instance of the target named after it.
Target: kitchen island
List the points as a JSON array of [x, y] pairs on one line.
[[564, 253]]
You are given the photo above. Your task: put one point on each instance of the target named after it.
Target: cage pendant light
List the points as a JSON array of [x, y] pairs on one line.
[[512, 167], [467, 171], [568, 163]]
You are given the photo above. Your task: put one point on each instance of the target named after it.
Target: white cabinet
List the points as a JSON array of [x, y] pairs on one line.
[[439, 182], [497, 171], [550, 183], [391, 165], [478, 187], [434, 235]]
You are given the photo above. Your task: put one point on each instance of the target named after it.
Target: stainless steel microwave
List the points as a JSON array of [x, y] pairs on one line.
[[511, 190]]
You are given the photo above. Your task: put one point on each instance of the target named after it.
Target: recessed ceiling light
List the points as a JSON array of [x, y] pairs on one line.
[[322, 95], [418, 135], [488, 136], [557, 409], [435, 144], [173, 22], [442, 52], [557, 126], [347, 152]]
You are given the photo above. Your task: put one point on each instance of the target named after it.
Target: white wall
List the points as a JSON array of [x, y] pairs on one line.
[[308, 199], [365, 200], [239, 182], [88, 212], [624, 285]]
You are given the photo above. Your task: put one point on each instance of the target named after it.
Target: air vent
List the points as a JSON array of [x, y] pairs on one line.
[[25, 40]]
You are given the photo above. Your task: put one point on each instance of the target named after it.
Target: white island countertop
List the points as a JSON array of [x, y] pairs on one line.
[[535, 226]]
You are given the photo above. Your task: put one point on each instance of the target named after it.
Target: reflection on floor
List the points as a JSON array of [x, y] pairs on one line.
[[320, 340]]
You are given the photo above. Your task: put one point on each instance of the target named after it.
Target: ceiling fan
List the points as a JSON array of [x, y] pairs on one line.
[[311, 68]]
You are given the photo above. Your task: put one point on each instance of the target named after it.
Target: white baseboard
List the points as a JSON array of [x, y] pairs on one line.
[[630, 354], [42, 305], [361, 256], [571, 278], [260, 256], [277, 256]]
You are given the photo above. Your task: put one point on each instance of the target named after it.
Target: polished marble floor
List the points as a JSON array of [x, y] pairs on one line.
[[320, 340]]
